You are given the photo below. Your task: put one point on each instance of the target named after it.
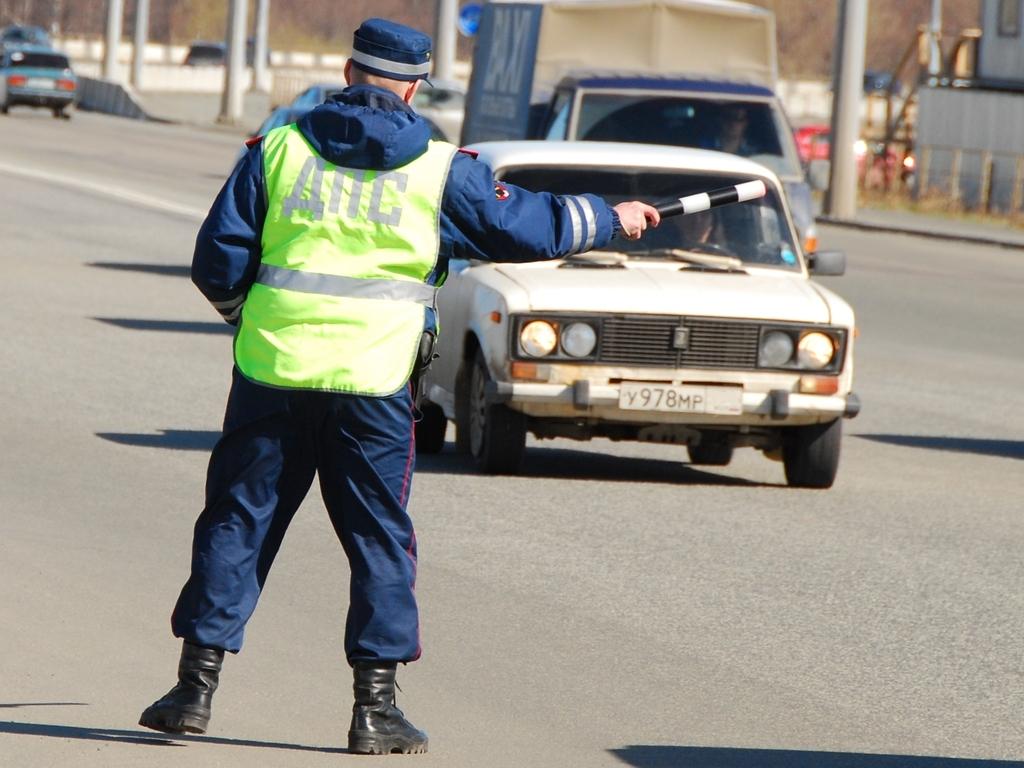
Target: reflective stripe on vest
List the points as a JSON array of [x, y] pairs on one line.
[[339, 300]]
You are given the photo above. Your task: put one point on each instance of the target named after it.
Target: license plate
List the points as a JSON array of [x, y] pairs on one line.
[[44, 83], [676, 398]]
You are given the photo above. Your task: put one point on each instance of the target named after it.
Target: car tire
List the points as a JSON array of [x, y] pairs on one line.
[[462, 377], [710, 452], [810, 454], [430, 429], [497, 435], [4, 109]]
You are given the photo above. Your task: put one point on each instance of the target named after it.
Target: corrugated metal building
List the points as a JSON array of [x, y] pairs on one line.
[[970, 123]]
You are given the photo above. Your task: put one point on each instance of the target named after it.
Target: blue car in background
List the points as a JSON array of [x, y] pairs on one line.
[[21, 34], [309, 98], [35, 76]]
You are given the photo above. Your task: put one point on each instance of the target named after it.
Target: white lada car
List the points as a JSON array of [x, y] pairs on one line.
[[708, 332]]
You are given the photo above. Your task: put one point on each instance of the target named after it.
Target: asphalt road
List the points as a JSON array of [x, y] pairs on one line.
[[614, 607]]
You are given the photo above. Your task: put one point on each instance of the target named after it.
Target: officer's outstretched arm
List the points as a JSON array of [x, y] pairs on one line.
[[502, 222]]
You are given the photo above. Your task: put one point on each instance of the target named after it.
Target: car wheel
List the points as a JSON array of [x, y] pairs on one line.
[[430, 429], [810, 454], [462, 377], [4, 109], [497, 435], [710, 452]]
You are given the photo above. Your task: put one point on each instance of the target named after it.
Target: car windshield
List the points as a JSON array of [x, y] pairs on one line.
[[756, 232], [44, 60], [748, 128]]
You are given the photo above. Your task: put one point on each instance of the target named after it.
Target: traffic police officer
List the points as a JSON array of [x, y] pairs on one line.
[[325, 247]]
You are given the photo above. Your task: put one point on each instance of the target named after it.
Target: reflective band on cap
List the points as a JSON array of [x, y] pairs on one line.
[[349, 287], [387, 65]]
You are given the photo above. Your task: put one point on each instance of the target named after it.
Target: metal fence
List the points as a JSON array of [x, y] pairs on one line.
[[982, 180]]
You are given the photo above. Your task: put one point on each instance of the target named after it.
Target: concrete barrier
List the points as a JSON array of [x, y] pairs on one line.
[[111, 98]]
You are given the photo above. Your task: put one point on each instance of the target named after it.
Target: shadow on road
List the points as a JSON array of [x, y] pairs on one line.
[[147, 737], [44, 704], [174, 439], [1010, 449], [565, 463], [644, 756], [171, 270], [175, 326]]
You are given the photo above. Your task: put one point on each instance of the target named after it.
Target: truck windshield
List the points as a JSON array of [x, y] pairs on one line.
[[756, 232], [754, 129]]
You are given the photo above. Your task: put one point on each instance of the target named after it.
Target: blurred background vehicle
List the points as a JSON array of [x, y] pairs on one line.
[[205, 54], [812, 142], [306, 101], [879, 81], [443, 103], [315, 94], [664, 85], [879, 166], [36, 76], [213, 53], [20, 34]]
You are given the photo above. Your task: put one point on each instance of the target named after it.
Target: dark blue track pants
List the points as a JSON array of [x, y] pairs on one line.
[[273, 443]]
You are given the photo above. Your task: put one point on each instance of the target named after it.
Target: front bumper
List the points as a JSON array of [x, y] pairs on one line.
[[583, 398]]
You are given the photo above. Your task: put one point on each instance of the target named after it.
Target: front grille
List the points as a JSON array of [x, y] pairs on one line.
[[648, 341]]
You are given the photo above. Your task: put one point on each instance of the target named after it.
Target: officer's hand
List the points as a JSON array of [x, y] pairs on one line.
[[634, 217]]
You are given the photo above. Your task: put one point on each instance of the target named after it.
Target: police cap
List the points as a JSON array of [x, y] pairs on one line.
[[391, 50]]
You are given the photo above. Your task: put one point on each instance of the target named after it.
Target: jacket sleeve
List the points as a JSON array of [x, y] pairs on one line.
[[227, 253], [496, 221]]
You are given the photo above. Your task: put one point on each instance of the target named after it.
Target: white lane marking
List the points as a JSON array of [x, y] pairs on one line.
[[118, 193]]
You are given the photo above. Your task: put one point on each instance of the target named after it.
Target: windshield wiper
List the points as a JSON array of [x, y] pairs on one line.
[[714, 261], [608, 259]]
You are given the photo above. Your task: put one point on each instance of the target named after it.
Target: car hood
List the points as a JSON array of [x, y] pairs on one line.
[[669, 289]]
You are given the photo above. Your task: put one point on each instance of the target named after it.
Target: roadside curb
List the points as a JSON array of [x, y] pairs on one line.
[[932, 233]]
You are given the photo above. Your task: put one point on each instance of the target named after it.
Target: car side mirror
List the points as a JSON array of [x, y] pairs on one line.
[[827, 263]]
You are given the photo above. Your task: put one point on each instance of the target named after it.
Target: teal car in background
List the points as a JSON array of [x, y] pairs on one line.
[[36, 76]]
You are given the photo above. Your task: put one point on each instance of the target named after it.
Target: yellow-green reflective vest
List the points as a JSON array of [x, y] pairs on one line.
[[340, 298]]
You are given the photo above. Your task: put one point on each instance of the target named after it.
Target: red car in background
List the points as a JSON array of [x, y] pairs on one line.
[[877, 165]]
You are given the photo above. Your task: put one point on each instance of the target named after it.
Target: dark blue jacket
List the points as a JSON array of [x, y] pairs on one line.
[[366, 127]]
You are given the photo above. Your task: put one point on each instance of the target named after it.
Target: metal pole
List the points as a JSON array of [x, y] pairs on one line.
[[231, 105], [934, 35], [444, 40], [141, 36], [260, 72], [847, 88], [115, 9]]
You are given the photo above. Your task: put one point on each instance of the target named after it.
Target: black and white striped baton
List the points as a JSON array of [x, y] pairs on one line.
[[702, 201]]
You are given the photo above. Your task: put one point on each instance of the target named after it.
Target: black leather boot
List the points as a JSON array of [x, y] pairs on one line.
[[186, 707], [378, 726]]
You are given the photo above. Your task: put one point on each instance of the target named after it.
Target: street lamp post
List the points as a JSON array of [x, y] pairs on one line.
[[847, 87], [115, 9], [141, 36], [231, 105]]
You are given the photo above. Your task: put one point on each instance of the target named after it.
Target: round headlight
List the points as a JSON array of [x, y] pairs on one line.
[[815, 350], [579, 339], [538, 338], [776, 349]]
